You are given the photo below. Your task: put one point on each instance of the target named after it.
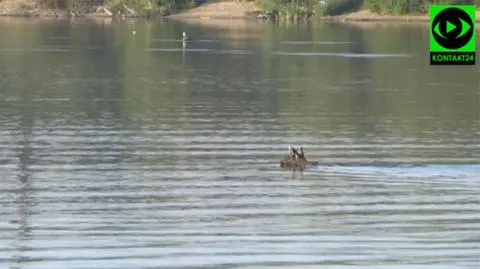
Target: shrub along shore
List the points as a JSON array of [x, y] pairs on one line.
[[280, 10]]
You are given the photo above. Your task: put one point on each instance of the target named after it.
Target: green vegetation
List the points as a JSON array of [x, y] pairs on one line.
[[129, 7], [400, 7], [300, 9], [289, 10]]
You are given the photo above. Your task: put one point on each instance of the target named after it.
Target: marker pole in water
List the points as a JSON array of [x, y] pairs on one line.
[[184, 44]]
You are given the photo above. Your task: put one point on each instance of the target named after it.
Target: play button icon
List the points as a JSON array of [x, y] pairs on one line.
[[452, 28]]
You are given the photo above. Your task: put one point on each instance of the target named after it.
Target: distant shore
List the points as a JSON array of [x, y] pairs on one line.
[[222, 10], [367, 16]]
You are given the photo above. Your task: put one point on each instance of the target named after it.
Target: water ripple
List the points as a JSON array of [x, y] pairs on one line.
[[147, 162]]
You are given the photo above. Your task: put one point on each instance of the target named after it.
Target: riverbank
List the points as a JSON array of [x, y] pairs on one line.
[[28, 8], [367, 16], [221, 10], [218, 10]]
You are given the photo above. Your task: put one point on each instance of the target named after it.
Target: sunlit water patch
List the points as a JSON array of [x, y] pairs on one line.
[[189, 40], [460, 173], [315, 42], [282, 53], [344, 55]]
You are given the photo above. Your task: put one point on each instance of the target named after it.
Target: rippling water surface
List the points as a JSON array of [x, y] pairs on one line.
[[130, 151]]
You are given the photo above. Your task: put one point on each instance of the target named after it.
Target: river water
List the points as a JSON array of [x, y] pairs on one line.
[[132, 150]]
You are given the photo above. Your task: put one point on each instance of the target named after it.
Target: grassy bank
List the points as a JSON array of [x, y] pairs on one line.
[[131, 8], [281, 10], [394, 9]]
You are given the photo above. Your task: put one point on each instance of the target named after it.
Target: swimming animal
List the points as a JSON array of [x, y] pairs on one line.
[[296, 159]]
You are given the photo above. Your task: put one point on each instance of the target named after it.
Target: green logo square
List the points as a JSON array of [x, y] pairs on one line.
[[452, 34]]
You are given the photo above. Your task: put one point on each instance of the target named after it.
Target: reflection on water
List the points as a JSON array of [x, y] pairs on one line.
[[118, 151], [246, 52]]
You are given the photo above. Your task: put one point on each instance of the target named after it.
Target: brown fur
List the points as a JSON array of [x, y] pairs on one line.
[[291, 162]]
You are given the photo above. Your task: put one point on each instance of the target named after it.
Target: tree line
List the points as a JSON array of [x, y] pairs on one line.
[[297, 9], [140, 7], [285, 9]]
